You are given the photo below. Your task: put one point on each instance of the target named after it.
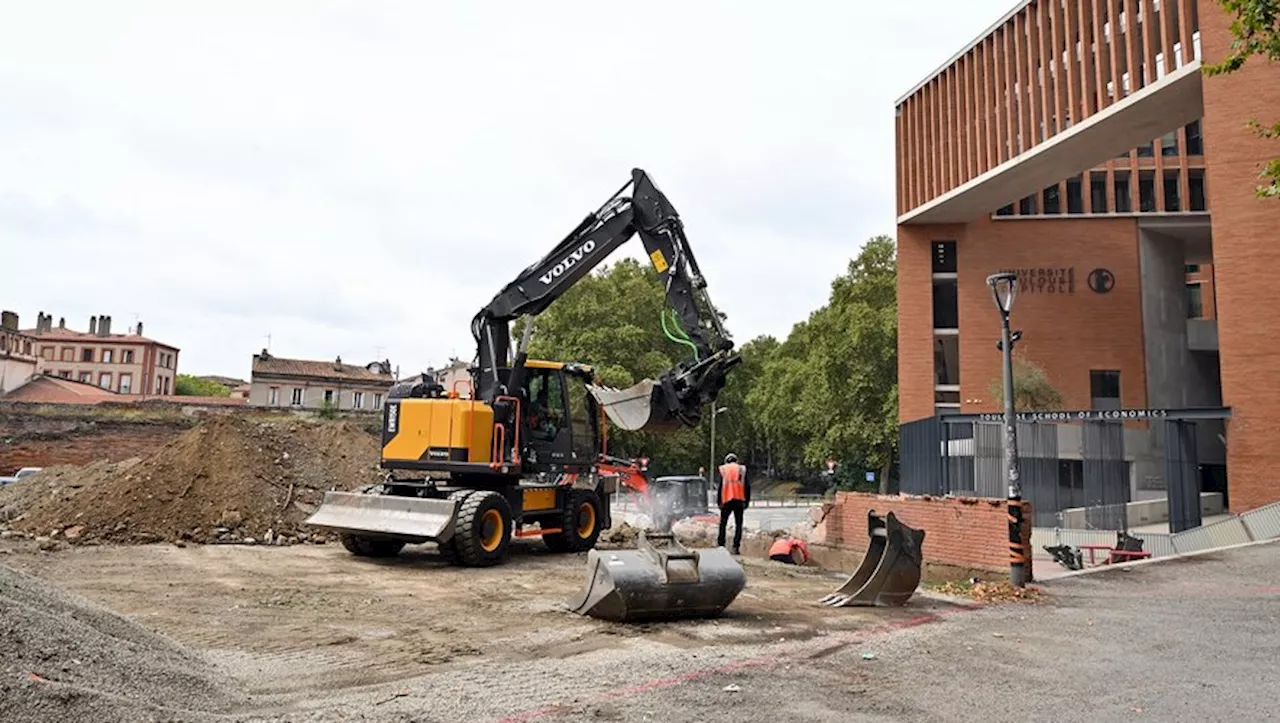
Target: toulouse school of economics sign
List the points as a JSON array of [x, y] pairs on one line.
[[1083, 415]]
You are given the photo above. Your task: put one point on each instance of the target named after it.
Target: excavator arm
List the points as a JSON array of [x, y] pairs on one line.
[[680, 392]]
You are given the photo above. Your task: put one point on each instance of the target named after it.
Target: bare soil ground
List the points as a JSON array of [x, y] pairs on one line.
[[314, 633]]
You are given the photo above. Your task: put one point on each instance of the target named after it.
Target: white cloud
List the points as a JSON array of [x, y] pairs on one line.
[[355, 177]]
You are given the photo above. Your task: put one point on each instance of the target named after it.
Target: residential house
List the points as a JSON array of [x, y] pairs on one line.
[[130, 364], [307, 384], [455, 377], [18, 360]]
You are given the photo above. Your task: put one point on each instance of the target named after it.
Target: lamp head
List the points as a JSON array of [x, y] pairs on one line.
[[1004, 286]]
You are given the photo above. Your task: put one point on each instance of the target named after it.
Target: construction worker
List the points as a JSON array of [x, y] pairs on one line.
[[735, 496]]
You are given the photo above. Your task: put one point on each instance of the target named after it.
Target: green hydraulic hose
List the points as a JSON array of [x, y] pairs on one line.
[[683, 337]]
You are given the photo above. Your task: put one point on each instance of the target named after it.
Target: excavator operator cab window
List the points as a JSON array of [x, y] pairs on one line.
[[545, 415]]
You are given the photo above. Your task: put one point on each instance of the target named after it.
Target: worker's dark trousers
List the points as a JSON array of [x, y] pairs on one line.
[[735, 507]]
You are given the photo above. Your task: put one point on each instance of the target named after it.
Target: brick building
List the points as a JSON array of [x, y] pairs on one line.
[[308, 384], [1080, 145], [18, 359], [129, 364]]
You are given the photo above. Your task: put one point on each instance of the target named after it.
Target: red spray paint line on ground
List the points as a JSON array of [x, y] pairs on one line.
[[821, 645]]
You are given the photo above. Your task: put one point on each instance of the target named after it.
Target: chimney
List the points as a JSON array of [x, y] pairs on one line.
[[338, 364], [93, 325], [62, 322], [8, 321], [139, 328], [104, 325]]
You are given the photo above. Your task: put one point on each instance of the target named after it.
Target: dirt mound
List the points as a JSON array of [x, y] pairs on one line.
[[230, 479], [63, 658], [55, 485]]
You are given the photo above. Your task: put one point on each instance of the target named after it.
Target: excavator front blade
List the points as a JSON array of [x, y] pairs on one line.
[[889, 572], [387, 517], [635, 407], [660, 580]]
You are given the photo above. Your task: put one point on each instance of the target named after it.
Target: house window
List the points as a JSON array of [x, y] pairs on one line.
[[68, 353], [1195, 301], [104, 380], [65, 373], [46, 352], [273, 396], [86, 355], [166, 386], [297, 397], [328, 396], [107, 354], [377, 401], [1104, 388], [126, 383], [126, 356], [86, 377], [357, 400]]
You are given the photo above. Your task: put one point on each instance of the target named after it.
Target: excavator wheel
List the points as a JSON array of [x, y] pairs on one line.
[[371, 547], [483, 529], [580, 526], [449, 550]]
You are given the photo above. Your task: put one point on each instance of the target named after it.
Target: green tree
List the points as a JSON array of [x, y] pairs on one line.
[[188, 386], [1032, 390], [1256, 30]]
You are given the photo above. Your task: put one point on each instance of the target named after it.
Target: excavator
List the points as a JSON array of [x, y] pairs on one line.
[[524, 451]]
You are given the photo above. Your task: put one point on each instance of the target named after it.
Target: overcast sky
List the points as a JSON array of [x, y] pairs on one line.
[[360, 178]]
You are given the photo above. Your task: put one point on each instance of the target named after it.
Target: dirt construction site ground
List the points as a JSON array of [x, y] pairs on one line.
[[310, 633]]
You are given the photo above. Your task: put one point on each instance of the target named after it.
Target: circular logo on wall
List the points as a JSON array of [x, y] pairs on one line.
[[1101, 280]]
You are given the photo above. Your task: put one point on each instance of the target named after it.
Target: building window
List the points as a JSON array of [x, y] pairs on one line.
[[65, 373], [1172, 201], [1195, 189], [357, 400], [1169, 144], [1104, 389], [1098, 194], [377, 401], [1195, 144], [328, 396], [126, 356], [1192, 268], [946, 304], [1027, 206], [107, 354], [1146, 192], [297, 397], [1075, 195], [1006, 210], [1124, 201], [46, 352], [1195, 302], [273, 395], [1147, 150], [946, 360], [1052, 204], [86, 355], [86, 377], [68, 353], [104, 380], [126, 383], [944, 257]]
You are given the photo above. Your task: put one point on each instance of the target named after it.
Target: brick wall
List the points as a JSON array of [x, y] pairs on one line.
[[1245, 257], [959, 531], [31, 439]]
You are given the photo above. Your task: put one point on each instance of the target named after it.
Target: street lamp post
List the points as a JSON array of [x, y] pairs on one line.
[[1004, 287]]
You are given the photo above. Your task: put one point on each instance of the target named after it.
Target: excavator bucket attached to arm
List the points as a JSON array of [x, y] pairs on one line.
[[662, 579], [889, 572]]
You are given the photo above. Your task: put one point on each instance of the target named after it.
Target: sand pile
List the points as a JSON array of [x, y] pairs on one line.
[[64, 659], [230, 479]]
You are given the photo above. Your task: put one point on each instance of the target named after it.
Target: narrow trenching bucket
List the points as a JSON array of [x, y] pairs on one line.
[[660, 580], [411, 519], [889, 572]]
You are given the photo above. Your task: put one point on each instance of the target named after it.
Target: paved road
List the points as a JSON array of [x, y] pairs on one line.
[[1189, 639], [755, 518]]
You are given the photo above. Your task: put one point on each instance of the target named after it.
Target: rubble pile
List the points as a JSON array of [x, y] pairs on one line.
[[63, 658], [230, 479]]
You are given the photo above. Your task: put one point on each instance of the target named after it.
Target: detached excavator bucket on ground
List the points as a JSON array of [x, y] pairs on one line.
[[660, 580], [889, 572]]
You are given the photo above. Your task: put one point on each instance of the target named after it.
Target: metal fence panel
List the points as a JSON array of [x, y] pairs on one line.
[[1159, 544], [1182, 476], [1264, 522], [1106, 475], [1230, 531], [960, 465], [920, 454]]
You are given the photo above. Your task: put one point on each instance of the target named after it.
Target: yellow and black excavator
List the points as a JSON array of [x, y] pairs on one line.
[[523, 452]]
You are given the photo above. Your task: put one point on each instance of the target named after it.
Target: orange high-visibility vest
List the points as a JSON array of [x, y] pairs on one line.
[[731, 483]]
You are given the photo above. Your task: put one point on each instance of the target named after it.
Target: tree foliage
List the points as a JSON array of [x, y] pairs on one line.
[[1255, 28], [1032, 390], [188, 386]]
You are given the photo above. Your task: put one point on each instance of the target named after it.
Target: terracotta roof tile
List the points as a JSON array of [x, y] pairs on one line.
[[83, 336], [51, 389], [279, 366]]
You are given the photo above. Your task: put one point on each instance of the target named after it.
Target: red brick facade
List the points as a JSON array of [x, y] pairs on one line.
[[963, 532], [28, 440]]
